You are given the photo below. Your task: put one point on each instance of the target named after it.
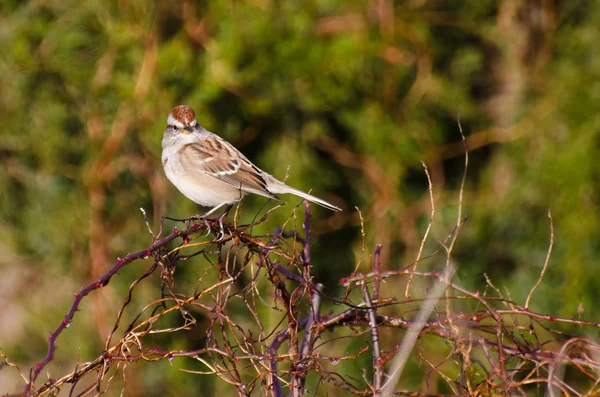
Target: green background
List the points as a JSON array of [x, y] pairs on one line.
[[350, 95]]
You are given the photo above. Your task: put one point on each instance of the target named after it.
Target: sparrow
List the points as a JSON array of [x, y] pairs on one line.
[[210, 171]]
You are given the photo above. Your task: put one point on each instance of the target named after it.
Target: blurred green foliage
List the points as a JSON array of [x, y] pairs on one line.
[[351, 96]]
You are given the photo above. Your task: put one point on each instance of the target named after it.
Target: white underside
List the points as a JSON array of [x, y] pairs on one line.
[[198, 187]]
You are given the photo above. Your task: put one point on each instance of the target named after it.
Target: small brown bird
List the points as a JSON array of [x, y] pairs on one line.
[[210, 171]]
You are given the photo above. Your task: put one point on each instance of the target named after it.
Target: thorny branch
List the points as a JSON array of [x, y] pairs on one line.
[[490, 343]]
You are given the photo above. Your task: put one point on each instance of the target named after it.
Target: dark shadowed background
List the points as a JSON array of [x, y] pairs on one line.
[[345, 97]]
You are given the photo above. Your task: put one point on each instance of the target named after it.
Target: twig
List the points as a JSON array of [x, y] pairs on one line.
[[377, 364], [539, 281], [314, 317], [360, 258], [377, 271], [274, 382], [426, 235], [147, 223], [310, 337], [306, 251], [464, 176], [362, 234]]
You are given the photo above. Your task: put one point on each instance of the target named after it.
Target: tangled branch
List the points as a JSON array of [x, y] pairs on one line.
[[491, 344]]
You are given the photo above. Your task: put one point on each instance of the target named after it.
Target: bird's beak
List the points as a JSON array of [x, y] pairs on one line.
[[187, 129]]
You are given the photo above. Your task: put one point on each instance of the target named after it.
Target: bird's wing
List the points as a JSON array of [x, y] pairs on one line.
[[216, 157]]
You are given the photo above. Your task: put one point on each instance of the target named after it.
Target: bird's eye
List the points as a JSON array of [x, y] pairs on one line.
[[174, 127]]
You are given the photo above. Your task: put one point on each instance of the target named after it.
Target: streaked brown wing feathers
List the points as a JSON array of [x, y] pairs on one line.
[[217, 158]]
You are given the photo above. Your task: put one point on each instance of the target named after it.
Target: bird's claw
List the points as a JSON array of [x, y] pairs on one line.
[[188, 221], [220, 221], [221, 234], [210, 223], [208, 228]]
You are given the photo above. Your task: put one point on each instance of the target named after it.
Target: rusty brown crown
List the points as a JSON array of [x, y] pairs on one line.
[[184, 114]]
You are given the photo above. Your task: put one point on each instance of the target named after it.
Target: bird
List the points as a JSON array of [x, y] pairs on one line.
[[211, 172]]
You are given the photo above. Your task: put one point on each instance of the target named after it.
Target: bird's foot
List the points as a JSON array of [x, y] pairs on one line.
[[220, 221], [209, 223], [188, 221], [212, 225]]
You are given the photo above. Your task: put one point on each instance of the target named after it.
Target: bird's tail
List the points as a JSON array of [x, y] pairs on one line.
[[283, 188]]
